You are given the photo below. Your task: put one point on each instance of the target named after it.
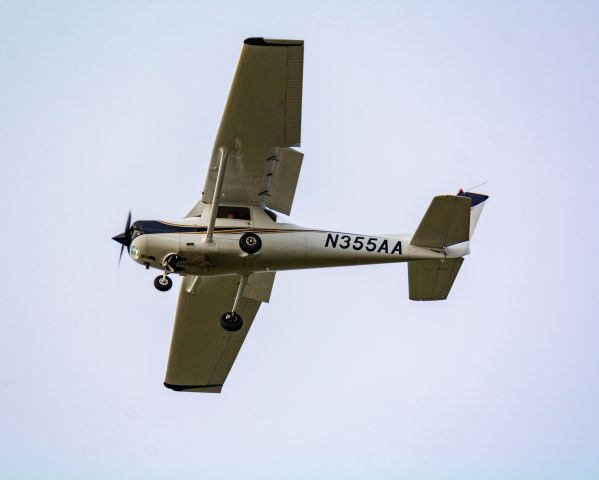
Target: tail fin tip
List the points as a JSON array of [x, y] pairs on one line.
[[478, 202]]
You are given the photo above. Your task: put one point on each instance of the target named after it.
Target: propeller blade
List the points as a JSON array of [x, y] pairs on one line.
[[128, 224], [124, 238]]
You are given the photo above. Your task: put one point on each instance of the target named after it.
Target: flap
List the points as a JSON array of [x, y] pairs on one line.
[[284, 180], [259, 286]]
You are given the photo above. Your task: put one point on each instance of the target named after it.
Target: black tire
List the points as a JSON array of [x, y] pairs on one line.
[[231, 322], [163, 284], [250, 243]]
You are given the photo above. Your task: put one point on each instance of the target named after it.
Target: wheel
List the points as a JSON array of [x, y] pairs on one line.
[[163, 283], [250, 243], [231, 321]]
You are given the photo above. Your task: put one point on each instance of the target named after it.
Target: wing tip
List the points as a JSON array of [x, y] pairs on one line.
[[270, 42], [214, 388]]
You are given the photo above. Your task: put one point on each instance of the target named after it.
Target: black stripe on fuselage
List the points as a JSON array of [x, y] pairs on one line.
[[155, 226]]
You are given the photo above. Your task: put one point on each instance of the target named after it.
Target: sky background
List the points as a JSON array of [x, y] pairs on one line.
[[106, 106]]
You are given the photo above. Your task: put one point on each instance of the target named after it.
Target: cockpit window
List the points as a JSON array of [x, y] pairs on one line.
[[235, 213]]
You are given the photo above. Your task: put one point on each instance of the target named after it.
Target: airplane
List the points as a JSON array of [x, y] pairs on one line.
[[228, 248]]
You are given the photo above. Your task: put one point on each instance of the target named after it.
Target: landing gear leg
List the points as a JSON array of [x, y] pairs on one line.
[[232, 321], [162, 282]]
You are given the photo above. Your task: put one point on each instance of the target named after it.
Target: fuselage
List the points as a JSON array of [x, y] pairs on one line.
[[284, 246]]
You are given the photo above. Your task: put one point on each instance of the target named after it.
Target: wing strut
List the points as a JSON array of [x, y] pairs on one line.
[[220, 176], [242, 283]]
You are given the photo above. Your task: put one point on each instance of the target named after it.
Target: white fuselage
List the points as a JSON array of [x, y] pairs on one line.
[[284, 247]]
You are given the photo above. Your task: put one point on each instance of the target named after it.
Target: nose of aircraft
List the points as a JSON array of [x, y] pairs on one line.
[[138, 248]]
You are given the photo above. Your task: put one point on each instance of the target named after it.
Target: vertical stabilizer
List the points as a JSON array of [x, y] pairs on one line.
[[478, 202]]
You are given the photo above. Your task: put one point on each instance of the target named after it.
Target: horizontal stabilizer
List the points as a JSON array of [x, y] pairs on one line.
[[432, 279], [445, 223]]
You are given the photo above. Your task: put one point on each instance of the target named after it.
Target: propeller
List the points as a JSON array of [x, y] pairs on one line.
[[124, 238]]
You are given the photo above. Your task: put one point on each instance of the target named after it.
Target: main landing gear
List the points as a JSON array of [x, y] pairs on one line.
[[232, 321], [250, 243]]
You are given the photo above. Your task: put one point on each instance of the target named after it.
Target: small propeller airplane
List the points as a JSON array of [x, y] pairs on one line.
[[230, 245]]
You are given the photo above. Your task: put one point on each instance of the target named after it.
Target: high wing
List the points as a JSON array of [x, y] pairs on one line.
[[202, 353], [260, 124], [261, 121]]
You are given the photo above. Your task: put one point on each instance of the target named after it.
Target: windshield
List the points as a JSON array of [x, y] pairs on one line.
[[135, 233]]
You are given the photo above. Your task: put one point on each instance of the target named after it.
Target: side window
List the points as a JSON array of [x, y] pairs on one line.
[[234, 213]]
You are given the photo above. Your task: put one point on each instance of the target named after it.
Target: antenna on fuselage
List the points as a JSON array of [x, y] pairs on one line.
[[476, 186]]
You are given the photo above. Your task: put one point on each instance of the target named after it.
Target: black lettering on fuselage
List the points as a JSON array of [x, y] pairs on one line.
[[331, 239], [397, 248], [345, 239], [384, 247], [358, 243], [371, 245]]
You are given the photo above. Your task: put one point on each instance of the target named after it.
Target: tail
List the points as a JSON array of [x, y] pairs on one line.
[[478, 202], [449, 220]]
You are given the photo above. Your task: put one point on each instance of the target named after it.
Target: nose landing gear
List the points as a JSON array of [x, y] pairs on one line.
[[163, 283]]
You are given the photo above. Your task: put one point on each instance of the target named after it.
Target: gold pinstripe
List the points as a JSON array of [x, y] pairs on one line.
[[240, 230]]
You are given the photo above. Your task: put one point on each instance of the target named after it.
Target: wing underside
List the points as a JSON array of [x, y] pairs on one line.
[[202, 352], [261, 121]]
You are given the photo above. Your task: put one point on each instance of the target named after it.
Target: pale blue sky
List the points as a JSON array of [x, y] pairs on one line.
[[106, 106]]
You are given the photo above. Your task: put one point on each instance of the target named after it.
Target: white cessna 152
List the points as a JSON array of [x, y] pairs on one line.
[[230, 245]]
